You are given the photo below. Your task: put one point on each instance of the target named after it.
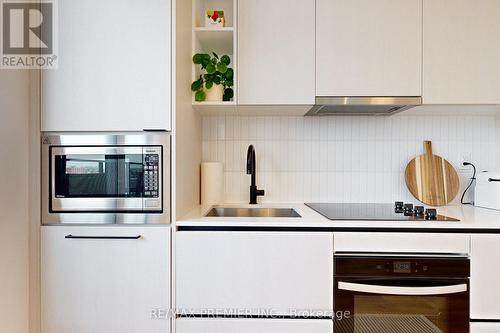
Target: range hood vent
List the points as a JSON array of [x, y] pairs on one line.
[[364, 106]]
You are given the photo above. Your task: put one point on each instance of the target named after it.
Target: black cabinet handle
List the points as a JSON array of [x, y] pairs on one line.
[[493, 180], [102, 237]]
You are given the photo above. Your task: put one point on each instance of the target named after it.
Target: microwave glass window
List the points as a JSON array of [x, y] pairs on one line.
[[75, 167], [101, 176]]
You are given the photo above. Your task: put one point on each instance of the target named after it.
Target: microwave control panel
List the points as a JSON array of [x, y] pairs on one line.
[[151, 175]]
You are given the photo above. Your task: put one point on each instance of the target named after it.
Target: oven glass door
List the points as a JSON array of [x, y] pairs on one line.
[[100, 179], [401, 305]]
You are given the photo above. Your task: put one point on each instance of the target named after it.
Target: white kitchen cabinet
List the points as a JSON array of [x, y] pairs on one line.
[[275, 52], [105, 285], [485, 277], [188, 325], [114, 70], [368, 47], [280, 271], [484, 327], [461, 52]]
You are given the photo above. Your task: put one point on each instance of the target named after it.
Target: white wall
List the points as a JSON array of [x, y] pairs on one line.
[[14, 228], [343, 159], [34, 202]]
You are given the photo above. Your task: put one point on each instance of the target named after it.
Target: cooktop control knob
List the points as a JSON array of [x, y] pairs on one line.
[[408, 209], [430, 214], [398, 207], [418, 211]]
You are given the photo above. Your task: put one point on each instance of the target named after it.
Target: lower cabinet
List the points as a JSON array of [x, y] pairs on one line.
[[113, 283], [280, 272], [188, 325], [484, 327], [485, 278]]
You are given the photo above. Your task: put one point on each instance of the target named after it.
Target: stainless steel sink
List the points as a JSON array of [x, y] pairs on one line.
[[252, 212]]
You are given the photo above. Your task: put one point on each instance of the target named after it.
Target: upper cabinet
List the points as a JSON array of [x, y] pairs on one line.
[[114, 67], [368, 47], [287, 52], [276, 52], [461, 52]]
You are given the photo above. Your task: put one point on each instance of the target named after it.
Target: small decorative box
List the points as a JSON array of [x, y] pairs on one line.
[[215, 18]]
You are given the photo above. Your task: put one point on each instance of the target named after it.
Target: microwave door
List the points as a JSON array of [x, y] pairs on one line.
[[96, 179]]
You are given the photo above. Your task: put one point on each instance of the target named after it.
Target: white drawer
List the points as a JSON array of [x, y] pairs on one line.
[[401, 242], [484, 327], [281, 271], [241, 325]]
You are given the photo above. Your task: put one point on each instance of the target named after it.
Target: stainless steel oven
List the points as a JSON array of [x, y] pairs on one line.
[[401, 294], [106, 178]]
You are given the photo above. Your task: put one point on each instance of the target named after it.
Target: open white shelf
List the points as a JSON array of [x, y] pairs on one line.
[[221, 40], [214, 103], [210, 29], [218, 40], [201, 6], [209, 108]]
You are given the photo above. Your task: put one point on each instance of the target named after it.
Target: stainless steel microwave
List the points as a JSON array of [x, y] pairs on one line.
[[106, 178]]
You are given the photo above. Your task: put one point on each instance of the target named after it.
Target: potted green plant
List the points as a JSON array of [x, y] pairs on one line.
[[217, 77]]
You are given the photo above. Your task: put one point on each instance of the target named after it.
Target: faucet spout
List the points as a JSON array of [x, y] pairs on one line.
[[251, 170]]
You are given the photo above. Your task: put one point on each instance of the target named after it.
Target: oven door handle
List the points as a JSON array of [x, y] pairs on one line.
[[398, 290]]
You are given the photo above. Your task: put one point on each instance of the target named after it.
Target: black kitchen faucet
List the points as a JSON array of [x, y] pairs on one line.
[[254, 192]]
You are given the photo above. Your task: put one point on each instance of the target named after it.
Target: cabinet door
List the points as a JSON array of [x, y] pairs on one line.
[[281, 271], [185, 325], [105, 285], [368, 47], [114, 70], [485, 277], [484, 327], [461, 52], [276, 52]]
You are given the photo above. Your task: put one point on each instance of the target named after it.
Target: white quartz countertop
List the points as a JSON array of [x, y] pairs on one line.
[[471, 218]]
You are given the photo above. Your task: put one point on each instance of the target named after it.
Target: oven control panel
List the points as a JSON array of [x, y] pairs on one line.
[[403, 267], [448, 266], [151, 175]]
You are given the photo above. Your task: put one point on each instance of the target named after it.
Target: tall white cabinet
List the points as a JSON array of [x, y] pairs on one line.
[[276, 52], [114, 69], [368, 47], [461, 52], [105, 285]]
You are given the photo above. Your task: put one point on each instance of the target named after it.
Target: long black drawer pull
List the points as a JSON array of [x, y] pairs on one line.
[[493, 180], [102, 237]]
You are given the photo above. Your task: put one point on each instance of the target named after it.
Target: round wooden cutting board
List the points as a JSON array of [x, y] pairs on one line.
[[431, 179]]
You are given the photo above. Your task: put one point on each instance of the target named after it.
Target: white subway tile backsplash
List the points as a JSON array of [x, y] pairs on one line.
[[340, 159]]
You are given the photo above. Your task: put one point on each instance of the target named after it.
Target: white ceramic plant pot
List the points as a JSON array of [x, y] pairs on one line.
[[215, 94]]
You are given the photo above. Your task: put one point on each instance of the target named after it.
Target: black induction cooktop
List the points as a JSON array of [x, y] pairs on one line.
[[377, 212]]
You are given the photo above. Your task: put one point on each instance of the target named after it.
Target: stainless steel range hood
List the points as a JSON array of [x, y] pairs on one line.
[[366, 106]]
